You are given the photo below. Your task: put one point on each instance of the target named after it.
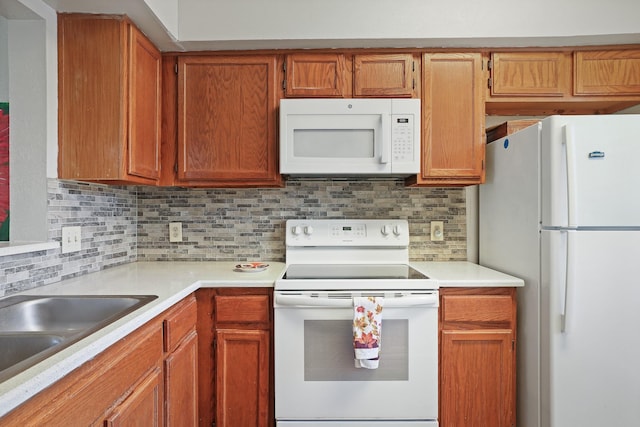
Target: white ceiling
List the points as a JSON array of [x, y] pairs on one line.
[[11, 9], [260, 24]]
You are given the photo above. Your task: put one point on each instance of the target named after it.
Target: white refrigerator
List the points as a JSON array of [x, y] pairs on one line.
[[561, 210]]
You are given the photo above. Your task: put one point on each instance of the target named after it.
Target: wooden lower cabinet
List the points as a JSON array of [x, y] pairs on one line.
[[242, 377], [142, 407], [235, 357], [148, 378], [181, 365], [90, 394], [181, 370], [477, 357]]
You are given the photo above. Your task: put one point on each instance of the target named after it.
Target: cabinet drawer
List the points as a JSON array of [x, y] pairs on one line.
[[178, 322], [242, 309], [477, 308]]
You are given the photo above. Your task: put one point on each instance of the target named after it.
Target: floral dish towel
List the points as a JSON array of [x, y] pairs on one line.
[[367, 328]]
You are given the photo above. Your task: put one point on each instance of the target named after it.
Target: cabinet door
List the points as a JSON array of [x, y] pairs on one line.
[[91, 102], [523, 74], [477, 379], [181, 384], [143, 407], [144, 112], [610, 72], [384, 75], [321, 75], [109, 101], [452, 120], [227, 120], [242, 378]]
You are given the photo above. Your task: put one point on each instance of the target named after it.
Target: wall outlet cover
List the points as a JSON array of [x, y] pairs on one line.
[[71, 239], [437, 231], [175, 232]]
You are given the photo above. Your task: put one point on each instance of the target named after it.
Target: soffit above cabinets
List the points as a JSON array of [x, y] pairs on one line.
[[160, 23]]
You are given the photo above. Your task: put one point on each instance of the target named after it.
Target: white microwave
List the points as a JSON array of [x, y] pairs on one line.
[[349, 137]]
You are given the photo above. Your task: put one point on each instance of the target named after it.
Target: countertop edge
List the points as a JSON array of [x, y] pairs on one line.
[[23, 386]]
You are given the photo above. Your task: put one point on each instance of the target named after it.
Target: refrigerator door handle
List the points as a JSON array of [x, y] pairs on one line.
[[568, 140], [564, 265]]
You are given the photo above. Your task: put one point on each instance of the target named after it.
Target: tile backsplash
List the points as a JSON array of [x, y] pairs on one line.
[[248, 224], [107, 216], [125, 224]]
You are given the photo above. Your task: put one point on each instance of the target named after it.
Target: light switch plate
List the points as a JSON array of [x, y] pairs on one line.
[[437, 231], [71, 239], [175, 232]]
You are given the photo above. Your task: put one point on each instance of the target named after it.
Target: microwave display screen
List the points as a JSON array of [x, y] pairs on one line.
[[402, 120]]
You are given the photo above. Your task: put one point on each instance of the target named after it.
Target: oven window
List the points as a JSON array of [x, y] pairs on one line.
[[328, 352]]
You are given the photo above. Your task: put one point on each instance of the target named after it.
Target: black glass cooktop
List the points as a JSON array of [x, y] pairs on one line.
[[351, 271]]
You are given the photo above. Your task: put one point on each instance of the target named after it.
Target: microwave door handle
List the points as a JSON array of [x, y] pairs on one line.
[[385, 155], [430, 300]]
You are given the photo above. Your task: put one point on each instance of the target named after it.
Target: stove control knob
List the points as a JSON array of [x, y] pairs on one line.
[[385, 230], [296, 230], [308, 230], [397, 230]]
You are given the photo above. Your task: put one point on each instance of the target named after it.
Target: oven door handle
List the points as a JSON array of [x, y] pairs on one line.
[[430, 300]]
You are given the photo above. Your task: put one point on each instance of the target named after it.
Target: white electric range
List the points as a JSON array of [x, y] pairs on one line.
[[329, 263]]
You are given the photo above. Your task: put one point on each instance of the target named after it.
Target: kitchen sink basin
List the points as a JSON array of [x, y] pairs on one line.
[[33, 327], [66, 313], [14, 348]]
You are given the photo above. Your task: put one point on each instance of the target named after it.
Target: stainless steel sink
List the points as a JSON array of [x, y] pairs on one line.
[[33, 328], [14, 348]]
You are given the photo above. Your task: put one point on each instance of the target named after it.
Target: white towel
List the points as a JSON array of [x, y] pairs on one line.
[[367, 329]]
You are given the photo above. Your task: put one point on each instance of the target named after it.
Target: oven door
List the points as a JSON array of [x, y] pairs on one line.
[[315, 376]]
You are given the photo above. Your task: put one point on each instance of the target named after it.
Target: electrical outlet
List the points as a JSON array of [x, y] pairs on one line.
[[437, 231], [175, 232], [71, 239]]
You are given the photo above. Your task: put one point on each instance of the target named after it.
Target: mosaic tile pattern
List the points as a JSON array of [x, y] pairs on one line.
[[248, 224], [107, 216], [125, 224]]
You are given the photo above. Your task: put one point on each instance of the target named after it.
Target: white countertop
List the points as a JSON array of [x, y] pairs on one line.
[[465, 274], [171, 282]]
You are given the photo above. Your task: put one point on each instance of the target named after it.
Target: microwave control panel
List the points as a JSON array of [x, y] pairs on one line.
[[405, 136], [402, 138]]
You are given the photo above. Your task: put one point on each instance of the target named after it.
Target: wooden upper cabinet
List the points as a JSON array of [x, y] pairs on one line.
[[227, 121], [109, 101], [563, 81], [345, 75], [452, 120], [383, 75], [144, 99], [317, 75], [610, 72], [530, 74]]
